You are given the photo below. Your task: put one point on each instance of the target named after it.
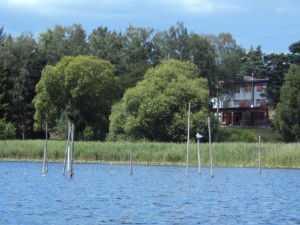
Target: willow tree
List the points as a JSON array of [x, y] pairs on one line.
[[83, 83], [156, 109]]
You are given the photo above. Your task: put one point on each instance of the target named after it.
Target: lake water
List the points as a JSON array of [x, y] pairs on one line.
[[107, 194]]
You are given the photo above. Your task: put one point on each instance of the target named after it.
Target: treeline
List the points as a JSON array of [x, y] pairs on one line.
[[133, 52]]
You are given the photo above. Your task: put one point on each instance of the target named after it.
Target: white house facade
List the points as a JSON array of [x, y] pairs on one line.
[[243, 106]]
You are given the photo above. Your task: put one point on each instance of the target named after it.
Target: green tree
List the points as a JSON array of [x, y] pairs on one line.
[[156, 109], [61, 41], [87, 85], [228, 61], [287, 118], [277, 66], [4, 84], [203, 55], [295, 50], [253, 63], [108, 45], [19, 72], [177, 42]]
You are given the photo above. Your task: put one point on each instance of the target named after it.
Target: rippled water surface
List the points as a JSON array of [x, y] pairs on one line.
[[107, 194]]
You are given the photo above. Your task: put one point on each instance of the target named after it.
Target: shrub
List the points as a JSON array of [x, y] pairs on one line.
[[7, 130], [242, 136]]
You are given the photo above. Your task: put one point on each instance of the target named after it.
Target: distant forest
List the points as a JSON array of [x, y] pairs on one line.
[[133, 52]]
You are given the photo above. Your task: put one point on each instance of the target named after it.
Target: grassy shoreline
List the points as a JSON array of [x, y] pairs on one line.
[[273, 155]]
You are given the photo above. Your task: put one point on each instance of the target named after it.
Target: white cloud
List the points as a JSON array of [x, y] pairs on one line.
[[205, 6]]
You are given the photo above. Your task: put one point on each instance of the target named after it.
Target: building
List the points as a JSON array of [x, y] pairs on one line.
[[244, 106]]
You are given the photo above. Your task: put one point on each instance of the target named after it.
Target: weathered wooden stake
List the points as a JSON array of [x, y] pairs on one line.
[[69, 155], [72, 151], [130, 162], [45, 161], [199, 162], [259, 154], [188, 143], [210, 150]]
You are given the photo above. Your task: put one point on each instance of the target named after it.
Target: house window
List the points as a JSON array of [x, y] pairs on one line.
[[259, 87], [237, 89], [248, 88], [258, 102], [236, 103], [245, 103]]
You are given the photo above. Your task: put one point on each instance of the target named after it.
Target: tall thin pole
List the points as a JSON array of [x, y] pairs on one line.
[[259, 154], [188, 143], [199, 162], [67, 150], [130, 156], [72, 151], [210, 149], [45, 161]]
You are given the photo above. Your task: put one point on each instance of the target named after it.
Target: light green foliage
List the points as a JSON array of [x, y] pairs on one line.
[[287, 119], [156, 109], [224, 154], [85, 84]]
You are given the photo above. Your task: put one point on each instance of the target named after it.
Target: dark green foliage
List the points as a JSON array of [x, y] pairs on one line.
[[61, 41], [295, 50], [7, 130], [287, 119], [253, 63], [203, 55], [276, 67]]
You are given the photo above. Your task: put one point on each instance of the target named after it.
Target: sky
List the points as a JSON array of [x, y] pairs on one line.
[[272, 24]]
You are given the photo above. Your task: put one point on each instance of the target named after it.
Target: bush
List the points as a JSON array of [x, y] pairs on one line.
[[236, 135], [244, 136], [7, 130], [88, 134]]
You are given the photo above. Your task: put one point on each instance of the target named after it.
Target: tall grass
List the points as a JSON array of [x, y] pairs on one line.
[[224, 154]]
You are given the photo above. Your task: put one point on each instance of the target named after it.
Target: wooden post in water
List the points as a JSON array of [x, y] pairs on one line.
[[69, 155], [199, 136], [72, 151], [66, 160], [210, 150], [188, 143], [45, 161], [130, 156], [259, 154]]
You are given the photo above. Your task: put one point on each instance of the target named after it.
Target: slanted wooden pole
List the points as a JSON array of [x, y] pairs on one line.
[[259, 154], [188, 143], [210, 150], [45, 161]]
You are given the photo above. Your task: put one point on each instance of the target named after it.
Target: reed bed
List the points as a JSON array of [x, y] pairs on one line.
[[235, 154]]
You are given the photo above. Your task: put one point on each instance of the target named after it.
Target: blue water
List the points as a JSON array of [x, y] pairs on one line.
[[107, 194]]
